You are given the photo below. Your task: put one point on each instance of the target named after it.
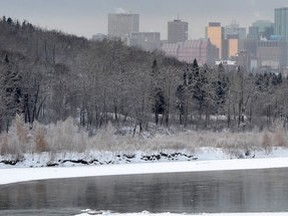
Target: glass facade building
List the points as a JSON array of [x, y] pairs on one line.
[[215, 33], [281, 26], [281, 22], [234, 29]]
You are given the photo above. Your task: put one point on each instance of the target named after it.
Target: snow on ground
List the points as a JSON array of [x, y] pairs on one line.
[[27, 174], [170, 214], [71, 165], [90, 212], [205, 160], [67, 159]]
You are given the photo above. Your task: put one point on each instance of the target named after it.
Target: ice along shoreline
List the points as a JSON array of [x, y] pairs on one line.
[[15, 175]]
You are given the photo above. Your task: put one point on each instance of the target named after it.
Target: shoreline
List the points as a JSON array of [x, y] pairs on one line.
[[17, 175], [204, 214]]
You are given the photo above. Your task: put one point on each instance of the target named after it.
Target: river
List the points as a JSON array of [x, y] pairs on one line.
[[196, 192]]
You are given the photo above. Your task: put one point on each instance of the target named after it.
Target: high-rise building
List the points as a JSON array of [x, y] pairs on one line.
[[281, 22], [215, 33], [234, 29], [121, 25], [281, 25], [264, 25], [232, 45], [261, 29], [272, 54], [177, 31], [253, 33], [249, 45], [233, 33], [148, 41]]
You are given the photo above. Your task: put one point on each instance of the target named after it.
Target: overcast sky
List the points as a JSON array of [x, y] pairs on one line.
[[88, 17]]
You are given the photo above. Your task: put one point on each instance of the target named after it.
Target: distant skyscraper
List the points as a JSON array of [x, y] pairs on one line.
[[263, 25], [261, 29], [253, 33], [233, 33], [249, 45], [121, 25], [234, 29], [281, 25], [214, 32], [281, 22], [177, 31], [232, 45], [272, 54]]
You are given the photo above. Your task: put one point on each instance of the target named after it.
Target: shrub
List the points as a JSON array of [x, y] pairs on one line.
[[22, 130], [4, 148], [266, 142], [39, 138], [279, 135]]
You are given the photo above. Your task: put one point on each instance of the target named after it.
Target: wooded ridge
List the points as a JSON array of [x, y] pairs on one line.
[[47, 76]]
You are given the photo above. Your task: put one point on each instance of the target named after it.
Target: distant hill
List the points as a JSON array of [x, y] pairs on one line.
[[49, 76]]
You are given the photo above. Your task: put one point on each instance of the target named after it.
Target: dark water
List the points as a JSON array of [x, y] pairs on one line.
[[227, 191]]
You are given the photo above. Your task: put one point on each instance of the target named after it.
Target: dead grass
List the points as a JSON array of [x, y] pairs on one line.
[[40, 140], [67, 136], [4, 148]]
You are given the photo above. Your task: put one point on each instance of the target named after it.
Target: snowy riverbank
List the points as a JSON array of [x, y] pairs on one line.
[[91, 212], [170, 214], [14, 175], [93, 158], [72, 165], [205, 160]]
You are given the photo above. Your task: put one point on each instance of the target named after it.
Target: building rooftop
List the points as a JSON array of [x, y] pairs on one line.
[[214, 24]]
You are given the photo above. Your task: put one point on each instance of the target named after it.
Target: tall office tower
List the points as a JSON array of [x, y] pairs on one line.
[[281, 22], [177, 31], [214, 32], [272, 53], [281, 26], [233, 33], [121, 25], [232, 45], [253, 33], [235, 30], [261, 29], [249, 45]]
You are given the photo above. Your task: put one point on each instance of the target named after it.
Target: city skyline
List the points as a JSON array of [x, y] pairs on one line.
[[89, 17]]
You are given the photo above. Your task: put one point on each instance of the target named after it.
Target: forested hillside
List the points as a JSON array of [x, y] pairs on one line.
[[48, 76]]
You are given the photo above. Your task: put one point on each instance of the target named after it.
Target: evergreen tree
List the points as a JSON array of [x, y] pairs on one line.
[[221, 86], [11, 92], [158, 99]]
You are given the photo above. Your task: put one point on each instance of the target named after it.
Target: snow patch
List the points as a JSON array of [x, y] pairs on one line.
[[14, 175], [68, 159], [89, 212]]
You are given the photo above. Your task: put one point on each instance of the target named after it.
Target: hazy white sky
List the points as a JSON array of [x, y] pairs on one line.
[[88, 17]]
